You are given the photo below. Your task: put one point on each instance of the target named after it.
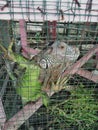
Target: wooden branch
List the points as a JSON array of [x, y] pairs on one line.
[[88, 75], [76, 66], [27, 51], [19, 118]]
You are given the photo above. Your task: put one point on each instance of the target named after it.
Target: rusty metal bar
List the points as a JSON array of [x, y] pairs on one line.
[[54, 23]]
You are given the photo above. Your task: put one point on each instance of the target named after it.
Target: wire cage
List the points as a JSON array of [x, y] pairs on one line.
[[48, 65]]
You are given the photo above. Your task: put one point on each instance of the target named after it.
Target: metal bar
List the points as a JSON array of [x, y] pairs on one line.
[[80, 29], [2, 115], [2, 71], [54, 23], [4, 85], [83, 41]]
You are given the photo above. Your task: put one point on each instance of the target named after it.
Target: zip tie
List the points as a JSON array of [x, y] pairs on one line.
[[42, 12], [62, 14], [77, 3], [6, 5]]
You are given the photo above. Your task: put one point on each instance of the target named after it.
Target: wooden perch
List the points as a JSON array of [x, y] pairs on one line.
[[18, 119], [76, 66], [88, 75], [24, 114], [26, 50]]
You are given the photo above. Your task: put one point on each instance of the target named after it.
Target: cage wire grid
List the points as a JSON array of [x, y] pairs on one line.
[[48, 65]]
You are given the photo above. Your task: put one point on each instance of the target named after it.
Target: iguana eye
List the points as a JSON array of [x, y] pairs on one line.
[[62, 47], [43, 64]]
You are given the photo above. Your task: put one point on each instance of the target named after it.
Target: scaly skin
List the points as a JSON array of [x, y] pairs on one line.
[[28, 86]]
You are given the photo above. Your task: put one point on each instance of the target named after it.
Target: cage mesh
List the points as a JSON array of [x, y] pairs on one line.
[[48, 65]]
